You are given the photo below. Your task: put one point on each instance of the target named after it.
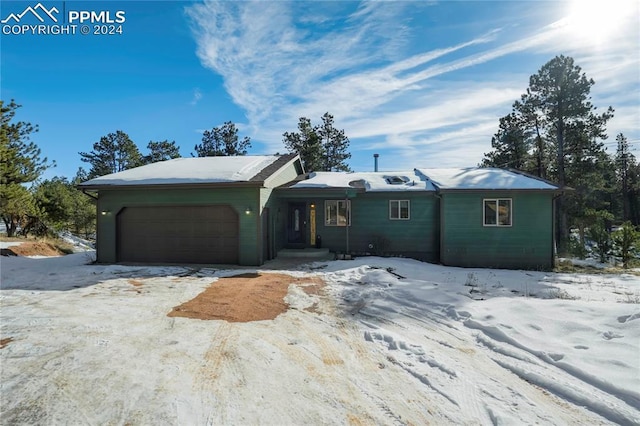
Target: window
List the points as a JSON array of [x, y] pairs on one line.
[[399, 209], [337, 213], [497, 212]]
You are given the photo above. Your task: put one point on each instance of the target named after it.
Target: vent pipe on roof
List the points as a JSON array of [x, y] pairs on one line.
[[375, 162]]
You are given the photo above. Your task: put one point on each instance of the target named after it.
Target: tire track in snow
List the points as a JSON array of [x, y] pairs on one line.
[[474, 375], [211, 371], [607, 410], [342, 329], [554, 360]]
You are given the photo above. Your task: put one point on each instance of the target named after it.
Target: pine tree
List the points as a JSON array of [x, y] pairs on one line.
[[53, 197], [510, 145], [83, 217], [626, 243], [20, 163], [556, 115], [113, 153], [335, 145], [307, 144], [322, 147], [625, 162], [222, 141], [161, 151]]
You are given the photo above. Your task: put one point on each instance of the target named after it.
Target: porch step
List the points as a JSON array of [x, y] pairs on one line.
[[315, 253]]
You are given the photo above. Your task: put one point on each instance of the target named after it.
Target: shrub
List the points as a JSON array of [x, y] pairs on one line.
[[599, 234], [625, 243]]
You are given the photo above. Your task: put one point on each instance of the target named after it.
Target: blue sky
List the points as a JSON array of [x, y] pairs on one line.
[[421, 83]]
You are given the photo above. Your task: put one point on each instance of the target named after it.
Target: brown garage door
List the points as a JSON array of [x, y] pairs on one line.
[[178, 234]]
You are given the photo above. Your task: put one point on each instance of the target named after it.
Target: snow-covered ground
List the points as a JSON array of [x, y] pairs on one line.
[[391, 341]]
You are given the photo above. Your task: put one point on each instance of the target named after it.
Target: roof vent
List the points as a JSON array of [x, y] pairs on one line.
[[360, 183], [396, 180]]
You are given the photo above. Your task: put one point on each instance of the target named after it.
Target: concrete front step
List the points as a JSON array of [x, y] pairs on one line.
[[314, 253]]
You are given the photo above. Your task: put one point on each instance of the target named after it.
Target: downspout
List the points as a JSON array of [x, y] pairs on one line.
[[554, 252], [440, 224], [348, 211]]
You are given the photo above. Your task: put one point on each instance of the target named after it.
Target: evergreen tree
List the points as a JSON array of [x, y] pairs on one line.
[[334, 145], [306, 143], [113, 153], [83, 216], [626, 243], [20, 163], [510, 145], [321, 148], [556, 115], [54, 201], [61, 207], [222, 141], [625, 162], [161, 151]]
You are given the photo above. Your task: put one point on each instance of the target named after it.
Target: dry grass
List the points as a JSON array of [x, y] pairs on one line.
[[38, 246], [566, 266]]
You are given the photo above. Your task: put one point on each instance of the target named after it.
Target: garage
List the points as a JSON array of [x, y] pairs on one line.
[[178, 234]]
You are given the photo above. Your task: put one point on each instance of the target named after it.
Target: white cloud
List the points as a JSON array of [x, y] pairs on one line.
[[197, 95], [283, 60]]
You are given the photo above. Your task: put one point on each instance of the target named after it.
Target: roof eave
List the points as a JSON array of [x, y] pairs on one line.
[[475, 190], [106, 187]]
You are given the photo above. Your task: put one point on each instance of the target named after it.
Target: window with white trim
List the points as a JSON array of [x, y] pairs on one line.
[[497, 212], [337, 213], [399, 209]]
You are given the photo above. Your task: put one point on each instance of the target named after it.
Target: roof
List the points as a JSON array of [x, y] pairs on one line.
[[474, 178], [268, 171], [198, 170], [368, 181]]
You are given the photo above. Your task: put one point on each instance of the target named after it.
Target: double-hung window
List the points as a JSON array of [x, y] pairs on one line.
[[497, 212], [399, 210], [337, 213]]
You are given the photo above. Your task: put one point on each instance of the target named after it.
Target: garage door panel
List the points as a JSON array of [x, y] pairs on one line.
[[178, 234]]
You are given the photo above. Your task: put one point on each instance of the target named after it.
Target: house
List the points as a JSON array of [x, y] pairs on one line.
[[190, 210], [243, 210]]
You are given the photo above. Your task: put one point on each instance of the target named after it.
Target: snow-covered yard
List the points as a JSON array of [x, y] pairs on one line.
[[388, 341]]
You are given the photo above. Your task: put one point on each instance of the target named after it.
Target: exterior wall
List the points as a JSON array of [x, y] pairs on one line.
[[271, 229], [112, 201], [527, 244], [370, 224], [275, 227]]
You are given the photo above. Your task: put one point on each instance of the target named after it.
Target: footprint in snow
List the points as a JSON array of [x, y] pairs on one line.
[[626, 318], [611, 335]]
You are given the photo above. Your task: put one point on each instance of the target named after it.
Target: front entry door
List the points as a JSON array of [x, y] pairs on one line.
[[297, 224]]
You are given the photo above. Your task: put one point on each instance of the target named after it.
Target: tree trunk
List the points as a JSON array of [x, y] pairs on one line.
[[562, 230], [11, 228], [541, 172]]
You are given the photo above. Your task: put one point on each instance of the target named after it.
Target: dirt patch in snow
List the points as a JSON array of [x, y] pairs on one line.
[[32, 249], [4, 342], [245, 298], [136, 283]]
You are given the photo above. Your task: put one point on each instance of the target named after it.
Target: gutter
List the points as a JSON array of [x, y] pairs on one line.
[[106, 187], [84, 191]]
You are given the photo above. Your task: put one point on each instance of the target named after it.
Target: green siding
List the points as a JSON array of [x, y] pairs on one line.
[[268, 200], [370, 224], [527, 244], [112, 201]]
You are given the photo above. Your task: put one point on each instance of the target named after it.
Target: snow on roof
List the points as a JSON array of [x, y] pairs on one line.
[[482, 178], [370, 182], [189, 170]]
